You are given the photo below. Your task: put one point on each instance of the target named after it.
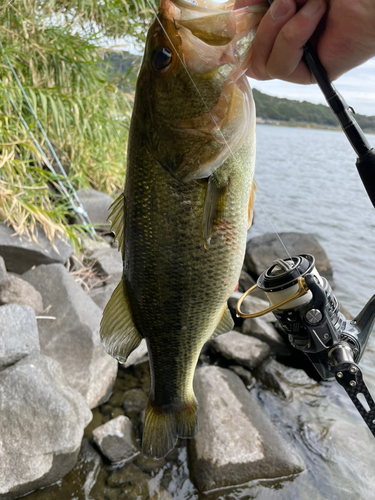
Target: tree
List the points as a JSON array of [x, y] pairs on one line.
[[55, 47]]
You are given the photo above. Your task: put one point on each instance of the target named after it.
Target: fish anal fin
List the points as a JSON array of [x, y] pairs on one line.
[[117, 219], [225, 324], [118, 333], [214, 206], [250, 210]]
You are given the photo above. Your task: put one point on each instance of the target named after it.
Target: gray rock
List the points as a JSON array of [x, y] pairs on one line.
[[18, 334], [135, 400], [283, 379], [246, 351], [108, 263], [266, 332], [139, 355], [21, 254], [102, 295], [96, 205], [262, 251], [72, 338], [236, 442], [116, 440], [244, 375], [41, 425], [15, 290], [250, 305], [246, 282], [3, 271]]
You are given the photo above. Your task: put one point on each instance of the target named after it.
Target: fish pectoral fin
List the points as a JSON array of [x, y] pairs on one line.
[[250, 210], [117, 219], [225, 324], [213, 209], [118, 332]]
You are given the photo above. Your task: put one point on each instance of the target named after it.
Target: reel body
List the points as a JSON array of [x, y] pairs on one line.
[[309, 314]]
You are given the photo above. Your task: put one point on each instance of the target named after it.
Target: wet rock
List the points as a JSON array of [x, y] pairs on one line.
[[102, 294], [283, 379], [72, 338], [236, 442], [263, 250], [251, 305], [116, 440], [15, 290], [108, 263], [20, 254], [129, 475], [246, 351], [41, 425], [140, 355], [18, 334], [134, 402], [3, 271], [96, 205], [149, 464], [266, 332], [244, 375]]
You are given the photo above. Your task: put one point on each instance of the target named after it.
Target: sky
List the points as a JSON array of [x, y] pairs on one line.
[[357, 87]]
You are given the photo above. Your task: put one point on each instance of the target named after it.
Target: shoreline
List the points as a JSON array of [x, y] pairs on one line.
[[296, 124]]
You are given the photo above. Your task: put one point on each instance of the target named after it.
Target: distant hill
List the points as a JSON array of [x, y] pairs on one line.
[[123, 68], [296, 112]]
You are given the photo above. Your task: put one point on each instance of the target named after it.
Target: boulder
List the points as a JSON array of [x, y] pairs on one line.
[[266, 332], [3, 271], [246, 351], [263, 250], [236, 441], [14, 290], [41, 425], [108, 263], [96, 205], [134, 401], [18, 334], [116, 440], [250, 305], [102, 294], [139, 355], [71, 337], [21, 254], [245, 375]]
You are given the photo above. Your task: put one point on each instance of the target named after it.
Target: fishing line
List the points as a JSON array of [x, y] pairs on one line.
[[213, 118]]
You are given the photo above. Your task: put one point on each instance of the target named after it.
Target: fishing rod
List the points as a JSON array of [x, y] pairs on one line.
[[302, 300]]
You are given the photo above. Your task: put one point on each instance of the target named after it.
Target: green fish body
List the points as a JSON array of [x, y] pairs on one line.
[[182, 220]]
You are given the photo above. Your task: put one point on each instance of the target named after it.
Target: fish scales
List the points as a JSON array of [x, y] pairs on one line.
[[184, 214]]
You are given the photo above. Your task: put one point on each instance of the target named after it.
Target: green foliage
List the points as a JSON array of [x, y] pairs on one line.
[[54, 48]]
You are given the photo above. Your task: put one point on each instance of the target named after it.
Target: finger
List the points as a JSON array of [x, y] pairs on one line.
[[280, 12], [284, 61]]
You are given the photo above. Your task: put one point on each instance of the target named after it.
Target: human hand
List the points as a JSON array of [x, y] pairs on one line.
[[343, 32]]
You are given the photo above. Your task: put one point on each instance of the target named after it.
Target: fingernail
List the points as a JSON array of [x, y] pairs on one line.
[[311, 8], [279, 9]]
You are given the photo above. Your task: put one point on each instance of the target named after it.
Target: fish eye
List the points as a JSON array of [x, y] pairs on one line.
[[162, 59]]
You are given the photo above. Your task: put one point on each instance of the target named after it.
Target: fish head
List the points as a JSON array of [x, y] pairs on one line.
[[192, 98]]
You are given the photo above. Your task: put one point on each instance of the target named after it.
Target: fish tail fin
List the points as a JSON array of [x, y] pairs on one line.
[[162, 429]]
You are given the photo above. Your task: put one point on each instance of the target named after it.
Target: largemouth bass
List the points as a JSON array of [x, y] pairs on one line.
[[182, 220]]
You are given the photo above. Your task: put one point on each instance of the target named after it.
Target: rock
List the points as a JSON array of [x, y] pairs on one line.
[[41, 425], [246, 351], [139, 355], [21, 254], [246, 282], [251, 305], [236, 441], [18, 334], [260, 329], [96, 205], [72, 338], [283, 379], [3, 271], [17, 291], [263, 250], [108, 263], [131, 475], [135, 400], [116, 440], [244, 375], [102, 295], [149, 465]]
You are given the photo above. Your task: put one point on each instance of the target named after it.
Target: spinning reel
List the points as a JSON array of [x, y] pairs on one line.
[[309, 314]]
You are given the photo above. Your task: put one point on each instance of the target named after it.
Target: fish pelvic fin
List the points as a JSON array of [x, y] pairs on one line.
[[225, 324], [117, 219], [162, 429], [118, 333]]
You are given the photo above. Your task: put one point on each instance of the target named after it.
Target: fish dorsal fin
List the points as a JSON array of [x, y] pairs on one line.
[[118, 332], [226, 323], [117, 219], [213, 209], [250, 213]]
